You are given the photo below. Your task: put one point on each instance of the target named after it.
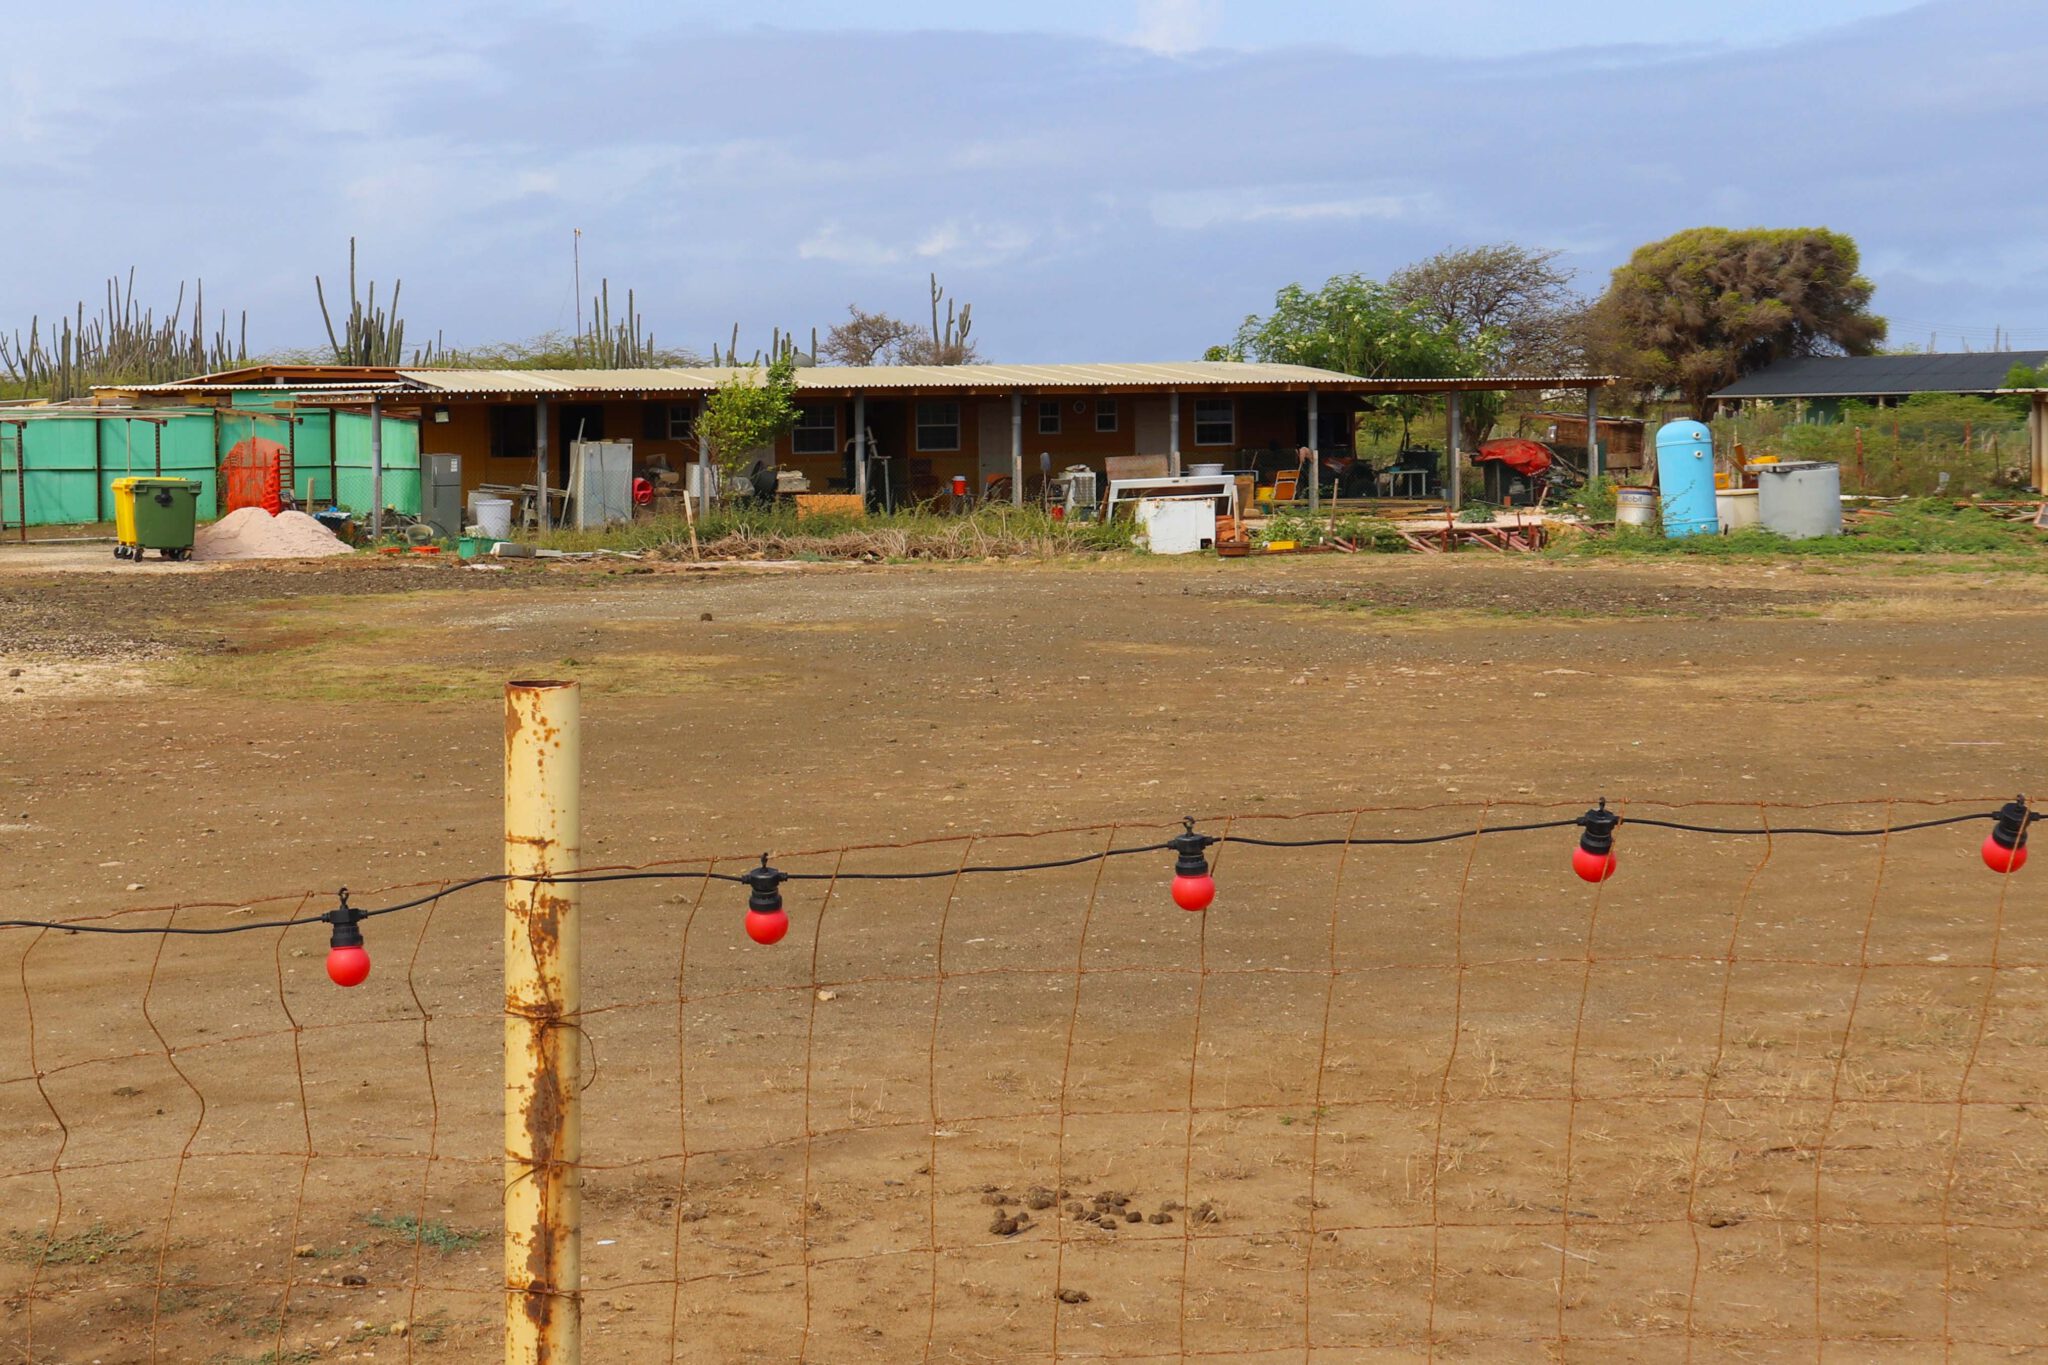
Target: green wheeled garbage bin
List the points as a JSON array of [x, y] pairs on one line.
[[155, 514]]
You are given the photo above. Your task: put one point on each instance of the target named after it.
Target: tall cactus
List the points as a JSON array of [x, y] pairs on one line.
[[375, 336], [123, 344]]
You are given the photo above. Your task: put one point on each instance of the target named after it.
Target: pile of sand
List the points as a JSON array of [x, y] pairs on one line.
[[252, 533]]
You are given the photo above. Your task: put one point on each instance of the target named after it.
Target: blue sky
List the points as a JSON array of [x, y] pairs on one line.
[[1121, 179]]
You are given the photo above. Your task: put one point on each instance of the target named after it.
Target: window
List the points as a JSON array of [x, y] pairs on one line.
[[816, 431], [938, 426], [512, 433], [1215, 421], [668, 421], [1105, 414], [1049, 417]]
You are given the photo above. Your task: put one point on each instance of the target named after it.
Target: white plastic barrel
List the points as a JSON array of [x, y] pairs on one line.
[[1736, 508], [494, 516]]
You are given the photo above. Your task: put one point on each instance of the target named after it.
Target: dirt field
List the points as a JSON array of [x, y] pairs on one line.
[[1396, 1103]]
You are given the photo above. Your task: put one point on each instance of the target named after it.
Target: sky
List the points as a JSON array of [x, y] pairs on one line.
[[1103, 180]]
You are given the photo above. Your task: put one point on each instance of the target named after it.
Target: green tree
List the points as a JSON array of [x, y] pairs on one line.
[[1354, 325], [1510, 309], [1702, 308], [748, 411]]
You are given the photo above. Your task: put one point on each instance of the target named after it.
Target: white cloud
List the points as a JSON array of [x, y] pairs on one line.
[[1195, 210], [952, 242], [1174, 28]]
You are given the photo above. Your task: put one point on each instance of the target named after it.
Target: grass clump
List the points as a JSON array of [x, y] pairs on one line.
[[753, 531], [1919, 526], [88, 1247], [432, 1233]]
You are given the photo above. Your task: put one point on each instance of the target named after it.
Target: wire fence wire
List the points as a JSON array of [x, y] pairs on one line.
[[1762, 1095]]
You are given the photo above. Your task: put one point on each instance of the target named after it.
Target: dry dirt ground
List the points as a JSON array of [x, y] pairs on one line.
[[1753, 1100]]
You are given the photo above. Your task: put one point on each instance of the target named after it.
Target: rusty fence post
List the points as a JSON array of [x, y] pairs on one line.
[[543, 1130]]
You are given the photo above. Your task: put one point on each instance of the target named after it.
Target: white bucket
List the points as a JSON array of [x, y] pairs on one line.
[[1736, 508], [494, 515], [1635, 506]]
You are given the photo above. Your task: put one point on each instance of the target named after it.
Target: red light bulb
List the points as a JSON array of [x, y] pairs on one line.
[[1593, 859], [348, 966], [1193, 887], [348, 962], [1592, 867], [1999, 858], [1194, 893], [2005, 848], [767, 922]]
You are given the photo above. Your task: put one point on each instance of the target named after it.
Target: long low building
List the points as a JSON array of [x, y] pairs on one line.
[[917, 426]]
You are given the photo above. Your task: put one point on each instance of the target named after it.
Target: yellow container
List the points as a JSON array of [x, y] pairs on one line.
[[124, 511]]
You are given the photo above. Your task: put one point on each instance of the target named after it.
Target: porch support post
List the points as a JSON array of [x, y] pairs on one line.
[[376, 470], [1315, 458], [703, 475], [1453, 483], [1016, 449], [540, 465], [2037, 440], [1595, 466], [1173, 432], [860, 447]]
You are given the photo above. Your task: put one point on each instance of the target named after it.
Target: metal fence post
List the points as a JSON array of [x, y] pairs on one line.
[[543, 1129]]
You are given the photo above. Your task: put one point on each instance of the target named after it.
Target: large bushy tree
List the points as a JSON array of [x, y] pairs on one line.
[[1510, 309], [1354, 325], [1702, 308]]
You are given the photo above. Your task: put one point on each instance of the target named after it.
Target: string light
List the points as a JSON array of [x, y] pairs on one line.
[[2005, 848], [767, 922], [1593, 860], [348, 962], [1193, 887]]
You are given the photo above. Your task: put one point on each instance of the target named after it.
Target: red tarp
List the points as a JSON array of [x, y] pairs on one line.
[[1524, 457]]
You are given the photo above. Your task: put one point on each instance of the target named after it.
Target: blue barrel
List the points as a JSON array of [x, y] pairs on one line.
[[1685, 479]]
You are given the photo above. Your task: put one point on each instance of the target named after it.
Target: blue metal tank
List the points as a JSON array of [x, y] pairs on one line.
[[1685, 479]]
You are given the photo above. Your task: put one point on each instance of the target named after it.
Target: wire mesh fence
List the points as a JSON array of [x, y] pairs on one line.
[[1926, 446], [1761, 1095]]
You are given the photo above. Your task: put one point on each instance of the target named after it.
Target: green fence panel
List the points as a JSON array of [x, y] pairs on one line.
[[313, 458], [10, 464], [355, 479], [60, 459]]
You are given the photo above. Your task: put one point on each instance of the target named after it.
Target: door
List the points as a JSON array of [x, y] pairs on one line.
[[578, 422], [994, 441], [1149, 421]]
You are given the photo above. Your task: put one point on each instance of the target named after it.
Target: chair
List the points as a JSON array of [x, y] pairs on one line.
[[1285, 484]]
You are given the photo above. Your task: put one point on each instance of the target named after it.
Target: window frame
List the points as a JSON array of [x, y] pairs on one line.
[[1049, 407], [921, 425], [831, 429], [1107, 405], [688, 413], [1198, 423], [511, 433]]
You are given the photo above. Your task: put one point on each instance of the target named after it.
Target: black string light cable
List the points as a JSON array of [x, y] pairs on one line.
[[1193, 888]]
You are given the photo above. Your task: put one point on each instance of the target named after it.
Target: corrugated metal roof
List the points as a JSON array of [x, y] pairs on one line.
[[210, 386], [1880, 376], [1194, 375]]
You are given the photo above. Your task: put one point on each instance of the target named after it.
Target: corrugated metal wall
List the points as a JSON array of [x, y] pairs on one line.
[[69, 460]]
